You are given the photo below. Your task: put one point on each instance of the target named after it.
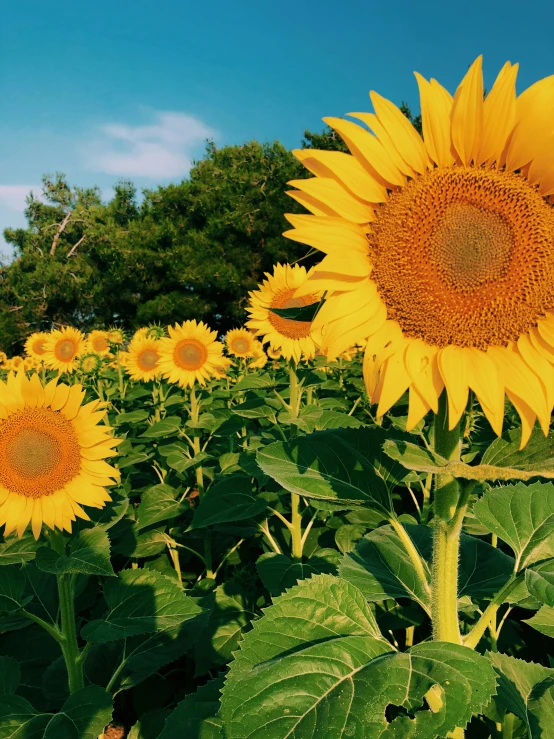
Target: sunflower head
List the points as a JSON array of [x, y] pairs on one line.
[[240, 343], [439, 250], [260, 357], [90, 363], [16, 363], [52, 454], [190, 354], [34, 345], [98, 342], [3, 358], [142, 360], [116, 336], [62, 348], [293, 339]]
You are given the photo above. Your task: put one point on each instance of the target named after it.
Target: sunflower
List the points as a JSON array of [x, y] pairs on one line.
[[34, 345], [62, 348], [191, 354], [293, 339], [260, 357], [240, 342], [116, 336], [90, 363], [440, 250], [99, 342], [142, 360], [52, 454], [15, 363], [273, 353], [3, 358]]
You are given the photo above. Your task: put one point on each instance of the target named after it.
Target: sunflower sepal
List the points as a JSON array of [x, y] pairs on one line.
[[300, 313]]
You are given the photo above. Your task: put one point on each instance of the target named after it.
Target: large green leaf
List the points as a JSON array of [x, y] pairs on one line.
[[526, 690], [84, 715], [341, 466], [523, 517], [315, 665], [229, 499], [195, 716], [539, 581], [10, 675], [165, 427], [159, 503], [380, 567], [543, 621], [278, 572], [16, 551], [140, 602], [89, 554], [12, 585], [537, 454]]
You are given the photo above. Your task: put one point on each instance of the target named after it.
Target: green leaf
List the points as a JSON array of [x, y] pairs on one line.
[[131, 459], [89, 555], [132, 417], [195, 716], [255, 382], [10, 675], [539, 581], [165, 427], [314, 418], [12, 585], [135, 543], [380, 567], [538, 453], [278, 572], [523, 517], [347, 536], [543, 621], [89, 710], [17, 551], [414, 457], [526, 690], [19, 720], [315, 665], [343, 466], [159, 503], [255, 408], [140, 602], [229, 499], [230, 617], [304, 313]]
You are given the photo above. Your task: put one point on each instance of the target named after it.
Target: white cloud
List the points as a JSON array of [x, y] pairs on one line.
[[13, 196], [164, 149]]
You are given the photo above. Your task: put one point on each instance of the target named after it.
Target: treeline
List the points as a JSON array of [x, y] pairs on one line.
[[187, 250]]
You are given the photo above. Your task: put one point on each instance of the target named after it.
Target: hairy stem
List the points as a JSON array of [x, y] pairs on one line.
[[70, 648]]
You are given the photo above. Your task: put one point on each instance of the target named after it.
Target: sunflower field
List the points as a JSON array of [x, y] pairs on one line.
[[335, 521]]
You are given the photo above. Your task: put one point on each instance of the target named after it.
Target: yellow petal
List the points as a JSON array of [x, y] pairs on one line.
[[454, 372], [346, 170], [485, 381], [329, 235], [368, 150], [420, 359], [60, 397], [528, 418], [520, 380], [417, 408], [312, 204], [36, 519], [540, 365], [436, 106], [371, 120], [73, 403], [499, 115], [405, 138], [533, 125], [396, 382], [467, 114], [332, 195]]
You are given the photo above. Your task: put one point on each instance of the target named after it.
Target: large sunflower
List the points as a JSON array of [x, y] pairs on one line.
[[62, 349], [142, 360], [52, 454], [191, 354], [99, 342], [34, 345], [240, 342], [440, 250], [294, 339]]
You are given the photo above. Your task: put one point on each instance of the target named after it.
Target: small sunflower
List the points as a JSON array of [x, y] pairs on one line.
[[99, 342], [440, 249], [116, 336], [29, 363], [52, 455], [15, 363], [34, 345], [142, 360], [191, 354], [3, 358], [62, 349], [260, 357], [240, 342], [294, 339], [273, 353], [90, 363]]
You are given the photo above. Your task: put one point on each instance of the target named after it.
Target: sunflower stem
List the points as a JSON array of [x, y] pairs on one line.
[[449, 512], [194, 415], [70, 648], [297, 545]]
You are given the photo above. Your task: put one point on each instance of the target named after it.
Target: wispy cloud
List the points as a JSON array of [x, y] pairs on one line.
[[162, 150], [13, 196]]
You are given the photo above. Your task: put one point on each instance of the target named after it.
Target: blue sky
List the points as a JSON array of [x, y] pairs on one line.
[[116, 89]]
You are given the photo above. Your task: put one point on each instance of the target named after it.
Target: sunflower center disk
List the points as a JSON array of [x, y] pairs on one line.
[[38, 347], [148, 359], [39, 452], [465, 256], [240, 345], [190, 354], [100, 344], [286, 326], [65, 350]]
